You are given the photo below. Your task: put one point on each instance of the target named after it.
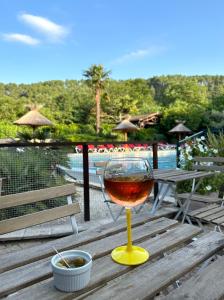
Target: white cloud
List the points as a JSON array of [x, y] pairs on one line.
[[51, 30], [139, 54], [22, 38]]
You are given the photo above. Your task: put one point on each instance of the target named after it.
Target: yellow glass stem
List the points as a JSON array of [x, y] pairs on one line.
[[129, 255], [128, 219]]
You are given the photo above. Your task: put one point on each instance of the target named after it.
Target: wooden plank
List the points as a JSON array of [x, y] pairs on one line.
[[200, 198], [22, 257], [17, 223], [40, 231], [103, 268], [165, 175], [217, 159], [157, 276], [205, 285], [215, 216], [190, 176], [218, 220], [97, 248], [37, 195], [158, 172], [208, 168], [195, 212], [209, 212]]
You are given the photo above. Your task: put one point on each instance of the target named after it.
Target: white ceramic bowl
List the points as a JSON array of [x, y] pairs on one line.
[[71, 279]]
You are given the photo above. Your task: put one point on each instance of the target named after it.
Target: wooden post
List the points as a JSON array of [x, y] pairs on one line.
[[86, 182], [125, 136], [0, 186], [155, 165], [178, 154]]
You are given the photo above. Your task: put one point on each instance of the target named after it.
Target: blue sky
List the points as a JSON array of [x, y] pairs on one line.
[[58, 39]]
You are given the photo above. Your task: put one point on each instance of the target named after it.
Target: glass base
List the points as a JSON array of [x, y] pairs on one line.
[[134, 257]]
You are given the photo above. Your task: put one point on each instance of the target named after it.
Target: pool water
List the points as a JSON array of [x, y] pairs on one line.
[[166, 158]]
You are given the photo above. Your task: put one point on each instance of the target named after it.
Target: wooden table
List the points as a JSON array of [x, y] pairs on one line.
[[168, 179], [27, 274]]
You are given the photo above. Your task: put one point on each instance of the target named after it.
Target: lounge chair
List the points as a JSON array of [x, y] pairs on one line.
[[101, 149], [110, 147], [79, 149]]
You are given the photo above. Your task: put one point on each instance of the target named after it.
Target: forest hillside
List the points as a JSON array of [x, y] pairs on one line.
[[70, 104]]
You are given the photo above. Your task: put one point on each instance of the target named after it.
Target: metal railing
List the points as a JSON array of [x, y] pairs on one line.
[[188, 138], [29, 166]]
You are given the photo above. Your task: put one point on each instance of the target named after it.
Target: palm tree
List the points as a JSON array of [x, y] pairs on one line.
[[96, 76]]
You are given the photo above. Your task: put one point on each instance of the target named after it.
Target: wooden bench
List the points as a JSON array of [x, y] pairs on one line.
[[211, 164], [213, 211], [213, 214], [46, 215]]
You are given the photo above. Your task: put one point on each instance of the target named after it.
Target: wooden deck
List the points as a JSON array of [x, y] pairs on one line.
[[36, 235], [27, 274]]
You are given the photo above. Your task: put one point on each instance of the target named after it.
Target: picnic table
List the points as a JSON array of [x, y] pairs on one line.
[[26, 274], [168, 179]]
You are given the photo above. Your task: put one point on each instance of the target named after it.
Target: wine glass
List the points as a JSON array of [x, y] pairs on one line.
[[128, 182]]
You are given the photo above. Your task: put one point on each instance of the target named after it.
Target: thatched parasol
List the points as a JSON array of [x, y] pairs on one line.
[[34, 119], [180, 130], [125, 126]]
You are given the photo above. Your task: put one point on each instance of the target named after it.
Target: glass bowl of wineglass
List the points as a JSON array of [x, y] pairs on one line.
[[128, 182]]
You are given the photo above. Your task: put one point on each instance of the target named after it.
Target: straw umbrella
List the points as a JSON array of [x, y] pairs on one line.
[[125, 126], [180, 130], [33, 119]]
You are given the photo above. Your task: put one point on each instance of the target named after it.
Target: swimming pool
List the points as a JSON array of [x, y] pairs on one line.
[[166, 158]]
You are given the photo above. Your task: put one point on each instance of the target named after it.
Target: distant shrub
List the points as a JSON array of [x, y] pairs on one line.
[[212, 146], [8, 130]]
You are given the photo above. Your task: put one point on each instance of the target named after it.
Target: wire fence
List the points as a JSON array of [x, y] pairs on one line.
[[30, 168], [26, 167]]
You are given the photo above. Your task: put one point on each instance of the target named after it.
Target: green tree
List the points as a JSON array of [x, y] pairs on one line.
[[96, 76]]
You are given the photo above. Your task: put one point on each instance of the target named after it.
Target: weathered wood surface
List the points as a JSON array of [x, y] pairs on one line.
[[215, 216], [200, 198], [209, 212], [165, 174], [217, 159], [218, 221], [189, 176], [134, 285], [109, 280], [13, 224], [37, 195], [52, 229], [208, 168], [180, 175], [203, 209], [213, 164], [13, 260], [103, 268], [207, 284], [212, 213]]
